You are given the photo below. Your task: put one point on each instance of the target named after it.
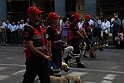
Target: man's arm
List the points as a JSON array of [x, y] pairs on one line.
[[35, 51], [49, 48], [79, 34]]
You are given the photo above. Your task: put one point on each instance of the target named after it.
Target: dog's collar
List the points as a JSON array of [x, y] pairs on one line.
[[68, 80]]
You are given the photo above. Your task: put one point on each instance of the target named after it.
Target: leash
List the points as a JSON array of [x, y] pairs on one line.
[[50, 63], [68, 80]]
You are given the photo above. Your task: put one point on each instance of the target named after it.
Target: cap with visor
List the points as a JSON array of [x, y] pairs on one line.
[[33, 10], [53, 15]]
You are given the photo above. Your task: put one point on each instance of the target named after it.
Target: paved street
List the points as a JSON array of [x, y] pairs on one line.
[[107, 68]]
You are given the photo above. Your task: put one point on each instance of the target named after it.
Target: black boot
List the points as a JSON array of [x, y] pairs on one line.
[[101, 49], [92, 56], [79, 64], [67, 58]]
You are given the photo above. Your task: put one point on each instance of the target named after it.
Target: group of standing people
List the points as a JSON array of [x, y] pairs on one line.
[[98, 28], [10, 33]]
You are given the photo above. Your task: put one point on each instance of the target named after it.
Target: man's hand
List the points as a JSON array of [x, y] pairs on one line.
[[47, 58], [86, 36]]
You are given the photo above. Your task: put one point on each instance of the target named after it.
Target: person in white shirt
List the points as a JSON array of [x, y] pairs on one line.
[[115, 22], [3, 22], [8, 32], [112, 19], [28, 21], [97, 29], [4, 31], [2, 34], [22, 24], [80, 24], [106, 30], [14, 34], [91, 23], [19, 29]]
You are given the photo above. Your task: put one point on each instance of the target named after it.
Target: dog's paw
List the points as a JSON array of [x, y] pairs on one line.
[[101, 49]]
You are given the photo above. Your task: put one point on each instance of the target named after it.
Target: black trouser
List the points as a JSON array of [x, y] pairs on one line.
[[56, 57], [75, 43], [34, 67], [8, 32], [89, 44], [57, 60], [121, 45], [19, 37]]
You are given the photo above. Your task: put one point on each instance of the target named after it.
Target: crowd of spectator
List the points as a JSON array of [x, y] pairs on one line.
[[101, 28], [10, 33]]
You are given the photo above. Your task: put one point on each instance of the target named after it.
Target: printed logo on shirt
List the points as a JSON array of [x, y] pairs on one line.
[[47, 35], [26, 34]]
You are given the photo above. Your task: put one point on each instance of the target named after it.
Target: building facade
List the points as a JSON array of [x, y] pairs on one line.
[[16, 9]]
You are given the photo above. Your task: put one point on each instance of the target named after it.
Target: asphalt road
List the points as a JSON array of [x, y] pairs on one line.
[[108, 67]]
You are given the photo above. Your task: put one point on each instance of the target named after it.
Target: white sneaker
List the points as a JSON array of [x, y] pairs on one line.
[[106, 45], [95, 43]]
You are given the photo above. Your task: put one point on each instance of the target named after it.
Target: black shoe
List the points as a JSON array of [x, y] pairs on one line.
[[85, 56], [66, 61], [92, 56], [79, 65], [101, 49]]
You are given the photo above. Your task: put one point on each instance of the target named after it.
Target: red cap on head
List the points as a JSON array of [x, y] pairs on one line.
[[33, 10], [88, 16], [77, 16], [53, 15]]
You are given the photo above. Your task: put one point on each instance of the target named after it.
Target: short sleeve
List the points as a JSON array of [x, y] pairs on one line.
[[50, 33], [28, 33]]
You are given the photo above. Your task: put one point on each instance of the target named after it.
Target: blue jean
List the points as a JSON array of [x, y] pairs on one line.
[[3, 37], [14, 38]]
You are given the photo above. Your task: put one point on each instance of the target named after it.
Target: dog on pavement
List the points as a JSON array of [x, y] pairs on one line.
[[82, 47], [67, 50], [63, 79], [90, 51]]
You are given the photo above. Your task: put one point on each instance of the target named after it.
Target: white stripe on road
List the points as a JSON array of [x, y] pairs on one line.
[[106, 71], [2, 77], [77, 73], [18, 72], [106, 81], [3, 68], [109, 77], [11, 65]]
